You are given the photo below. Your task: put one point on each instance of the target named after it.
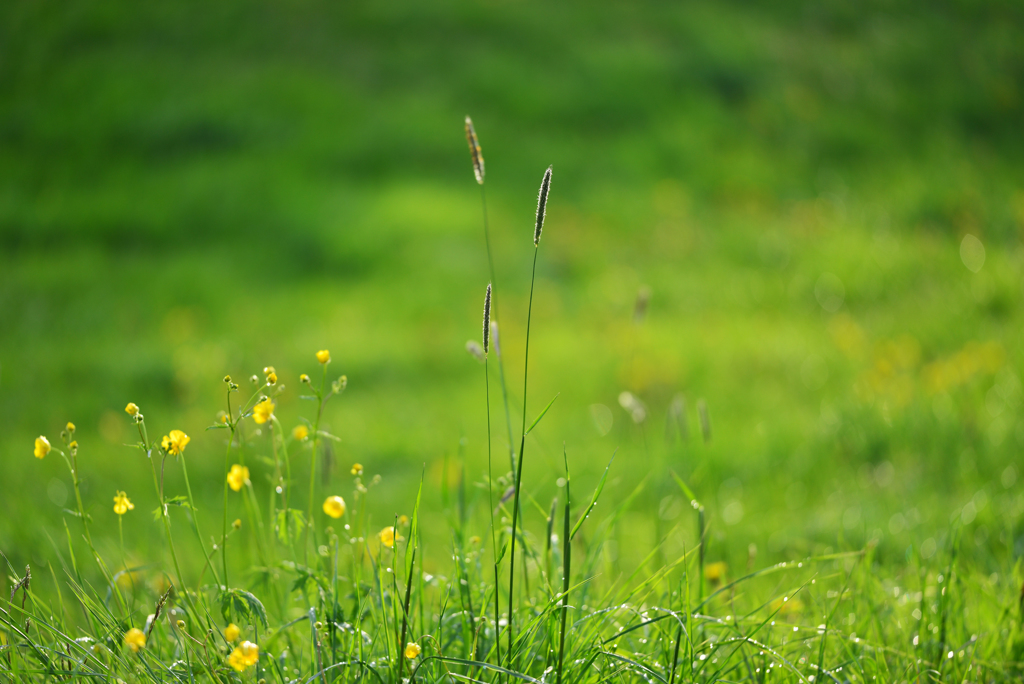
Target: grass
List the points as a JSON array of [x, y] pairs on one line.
[[790, 183]]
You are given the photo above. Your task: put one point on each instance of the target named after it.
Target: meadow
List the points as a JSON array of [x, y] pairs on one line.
[[804, 219]]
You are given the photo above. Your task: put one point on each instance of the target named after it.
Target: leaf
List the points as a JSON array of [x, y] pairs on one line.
[[537, 420], [593, 500], [686, 490], [289, 521], [218, 426], [504, 550], [241, 602], [328, 435], [76, 514]]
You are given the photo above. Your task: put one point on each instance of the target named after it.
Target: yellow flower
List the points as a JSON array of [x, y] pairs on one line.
[[387, 537], [403, 520], [245, 655], [122, 504], [42, 446], [237, 477], [357, 468], [334, 506], [222, 417], [474, 540], [135, 639], [237, 525], [70, 427], [412, 649], [714, 572], [304, 378], [271, 378], [263, 411], [323, 356], [787, 606], [231, 632], [268, 370], [175, 442], [73, 445], [131, 409], [300, 433]]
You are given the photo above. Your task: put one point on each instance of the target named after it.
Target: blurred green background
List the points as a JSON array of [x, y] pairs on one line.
[[193, 189]]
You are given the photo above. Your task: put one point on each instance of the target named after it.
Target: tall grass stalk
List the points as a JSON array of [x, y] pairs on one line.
[[478, 170], [566, 567], [542, 200], [490, 472]]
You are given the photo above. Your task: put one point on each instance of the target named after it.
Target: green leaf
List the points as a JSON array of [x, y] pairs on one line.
[[241, 602], [593, 500], [537, 420], [289, 522], [686, 490], [504, 550]]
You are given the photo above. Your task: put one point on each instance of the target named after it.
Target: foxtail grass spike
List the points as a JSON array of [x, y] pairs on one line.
[[542, 204], [487, 318], [474, 151]]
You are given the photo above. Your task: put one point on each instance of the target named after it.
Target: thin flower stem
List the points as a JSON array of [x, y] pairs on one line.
[[195, 520], [519, 470], [494, 304], [312, 462], [490, 508]]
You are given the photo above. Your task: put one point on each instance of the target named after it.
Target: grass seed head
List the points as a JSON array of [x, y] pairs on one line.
[[542, 203], [487, 319], [474, 151]]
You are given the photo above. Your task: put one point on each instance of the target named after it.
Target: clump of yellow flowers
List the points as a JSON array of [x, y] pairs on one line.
[[237, 477], [42, 447], [175, 442], [122, 504], [263, 411], [135, 639], [334, 506], [244, 656]]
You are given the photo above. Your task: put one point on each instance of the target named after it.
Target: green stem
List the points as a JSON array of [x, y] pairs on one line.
[[497, 317], [312, 463], [195, 521], [490, 507], [519, 470]]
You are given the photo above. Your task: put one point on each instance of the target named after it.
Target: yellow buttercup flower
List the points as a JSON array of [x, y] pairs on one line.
[[237, 477], [715, 572], [300, 433], [263, 411], [175, 442], [387, 537], [122, 504], [244, 656], [412, 650], [271, 378], [135, 639], [357, 468], [334, 506], [42, 447], [237, 525], [70, 427], [403, 520], [231, 632], [131, 409], [323, 356], [304, 378]]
